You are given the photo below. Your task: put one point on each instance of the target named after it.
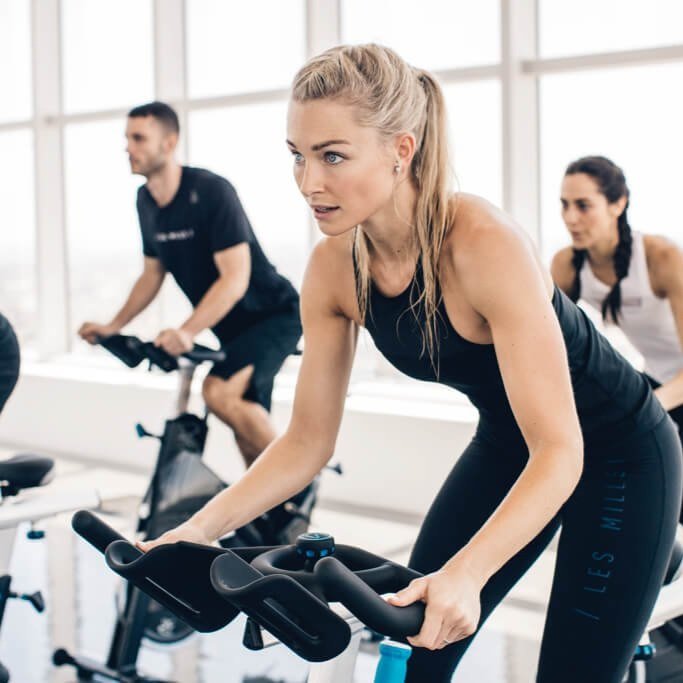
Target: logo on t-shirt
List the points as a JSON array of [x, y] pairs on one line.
[[194, 197], [175, 235], [632, 301]]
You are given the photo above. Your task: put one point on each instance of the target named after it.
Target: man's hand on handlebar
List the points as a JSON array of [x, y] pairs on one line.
[[93, 332], [187, 531], [174, 341]]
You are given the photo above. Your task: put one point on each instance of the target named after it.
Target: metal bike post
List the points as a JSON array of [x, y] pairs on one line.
[[185, 374], [340, 669]]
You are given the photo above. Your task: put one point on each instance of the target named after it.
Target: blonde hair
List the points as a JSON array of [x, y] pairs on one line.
[[393, 97]]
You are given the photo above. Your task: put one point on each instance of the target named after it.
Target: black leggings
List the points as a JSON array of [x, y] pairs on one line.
[[618, 529], [9, 360]]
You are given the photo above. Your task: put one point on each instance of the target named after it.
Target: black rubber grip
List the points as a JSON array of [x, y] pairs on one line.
[[94, 530], [202, 354], [160, 358], [366, 604]]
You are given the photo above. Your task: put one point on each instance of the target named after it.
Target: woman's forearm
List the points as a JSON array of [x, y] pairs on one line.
[[546, 482], [281, 471]]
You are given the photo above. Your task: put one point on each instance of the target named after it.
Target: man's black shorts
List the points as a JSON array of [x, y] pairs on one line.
[[265, 345]]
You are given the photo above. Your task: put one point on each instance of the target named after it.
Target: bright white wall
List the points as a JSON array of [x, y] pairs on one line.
[[392, 460]]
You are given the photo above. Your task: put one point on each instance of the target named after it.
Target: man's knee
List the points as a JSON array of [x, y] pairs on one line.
[[225, 396]]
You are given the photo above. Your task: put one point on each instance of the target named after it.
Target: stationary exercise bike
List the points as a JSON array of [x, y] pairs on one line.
[[181, 484], [18, 474]]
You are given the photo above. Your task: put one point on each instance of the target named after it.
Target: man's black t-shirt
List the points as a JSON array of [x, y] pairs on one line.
[[204, 217]]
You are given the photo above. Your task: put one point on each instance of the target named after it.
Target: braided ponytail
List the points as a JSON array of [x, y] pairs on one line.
[[578, 259], [622, 261]]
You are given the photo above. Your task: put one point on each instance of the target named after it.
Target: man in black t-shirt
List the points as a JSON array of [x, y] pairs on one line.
[[193, 226]]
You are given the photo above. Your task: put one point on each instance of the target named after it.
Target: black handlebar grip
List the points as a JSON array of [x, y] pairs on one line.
[[160, 358], [94, 530], [366, 604], [129, 350], [120, 554], [201, 354]]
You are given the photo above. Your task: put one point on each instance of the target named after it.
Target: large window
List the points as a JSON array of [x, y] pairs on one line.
[[626, 115], [475, 136], [246, 144], [15, 60], [241, 47], [444, 37], [226, 66], [107, 48], [17, 234], [431, 34], [105, 252], [586, 26]]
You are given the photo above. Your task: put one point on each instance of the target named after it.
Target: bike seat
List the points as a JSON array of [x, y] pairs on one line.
[[25, 471]]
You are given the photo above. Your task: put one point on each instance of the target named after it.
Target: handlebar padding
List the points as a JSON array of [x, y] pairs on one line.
[[295, 616], [202, 354], [365, 603], [94, 530], [175, 575]]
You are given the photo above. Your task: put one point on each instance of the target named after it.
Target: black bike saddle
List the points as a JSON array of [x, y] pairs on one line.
[[25, 471]]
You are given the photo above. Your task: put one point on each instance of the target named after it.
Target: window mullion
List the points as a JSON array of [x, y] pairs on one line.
[[521, 177], [54, 333]]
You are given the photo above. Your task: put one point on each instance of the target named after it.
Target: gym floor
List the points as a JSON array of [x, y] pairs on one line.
[[79, 593]]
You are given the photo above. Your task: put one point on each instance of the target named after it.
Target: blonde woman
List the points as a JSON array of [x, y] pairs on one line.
[[452, 291]]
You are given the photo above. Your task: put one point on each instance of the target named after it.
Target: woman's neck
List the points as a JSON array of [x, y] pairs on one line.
[[391, 231], [601, 253]]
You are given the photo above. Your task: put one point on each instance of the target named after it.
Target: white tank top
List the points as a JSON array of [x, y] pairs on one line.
[[646, 319]]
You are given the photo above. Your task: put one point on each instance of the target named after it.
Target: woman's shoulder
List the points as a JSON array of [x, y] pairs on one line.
[[472, 216], [333, 252], [664, 260], [329, 274], [659, 249], [562, 268], [477, 225]]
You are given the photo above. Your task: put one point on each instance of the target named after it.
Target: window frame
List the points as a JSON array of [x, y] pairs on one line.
[[518, 73]]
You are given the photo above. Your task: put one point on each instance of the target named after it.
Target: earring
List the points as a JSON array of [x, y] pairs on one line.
[[397, 168]]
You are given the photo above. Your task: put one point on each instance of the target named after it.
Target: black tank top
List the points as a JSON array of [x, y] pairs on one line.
[[612, 398]]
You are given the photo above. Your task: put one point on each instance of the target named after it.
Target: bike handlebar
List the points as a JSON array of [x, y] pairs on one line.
[[94, 530], [207, 587], [132, 351]]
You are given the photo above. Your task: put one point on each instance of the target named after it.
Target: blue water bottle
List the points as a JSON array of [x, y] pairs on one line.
[[393, 658]]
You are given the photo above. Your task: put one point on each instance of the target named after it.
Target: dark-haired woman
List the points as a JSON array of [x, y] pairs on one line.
[[635, 280]]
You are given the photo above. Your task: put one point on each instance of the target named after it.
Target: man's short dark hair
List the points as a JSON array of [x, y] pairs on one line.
[[162, 112]]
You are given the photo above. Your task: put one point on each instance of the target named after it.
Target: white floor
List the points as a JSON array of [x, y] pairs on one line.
[[79, 592]]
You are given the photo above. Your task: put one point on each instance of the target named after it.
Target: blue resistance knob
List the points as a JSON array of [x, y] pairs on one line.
[[312, 546], [393, 661]]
